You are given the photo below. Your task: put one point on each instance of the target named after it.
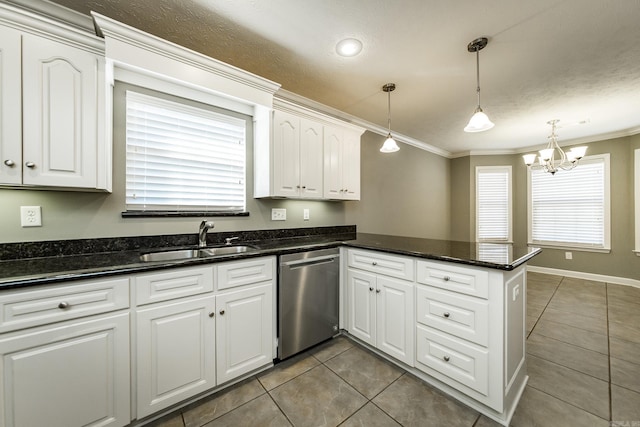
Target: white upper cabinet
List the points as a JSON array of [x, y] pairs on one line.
[[297, 156], [53, 132], [341, 164], [298, 163]]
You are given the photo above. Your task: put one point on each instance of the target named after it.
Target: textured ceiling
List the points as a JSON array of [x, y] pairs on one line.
[[573, 60]]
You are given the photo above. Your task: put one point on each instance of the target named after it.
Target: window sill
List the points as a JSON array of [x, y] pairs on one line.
[[179, 214], [570, 248]]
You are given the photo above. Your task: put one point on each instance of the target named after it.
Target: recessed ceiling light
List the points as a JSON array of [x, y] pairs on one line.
[[349, 47]]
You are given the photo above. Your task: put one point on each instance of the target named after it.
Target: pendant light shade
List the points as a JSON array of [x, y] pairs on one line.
[[390, 145], [479, 121]]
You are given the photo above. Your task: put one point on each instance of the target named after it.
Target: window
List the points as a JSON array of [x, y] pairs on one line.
[[571, 208], [182, 158], [493, 203]]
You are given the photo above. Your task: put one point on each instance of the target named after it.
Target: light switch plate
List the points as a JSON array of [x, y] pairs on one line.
[[305, 214], [30, 216], [278, 214]]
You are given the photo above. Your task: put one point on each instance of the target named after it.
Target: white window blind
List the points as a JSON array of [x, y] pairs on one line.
[[183, 158], [571, 208], [493, 203]]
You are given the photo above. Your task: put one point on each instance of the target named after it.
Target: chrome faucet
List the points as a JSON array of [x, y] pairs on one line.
[[202, 234], [228, 240]]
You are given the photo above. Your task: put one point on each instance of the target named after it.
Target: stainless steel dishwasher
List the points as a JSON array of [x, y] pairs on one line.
[[307, 299]]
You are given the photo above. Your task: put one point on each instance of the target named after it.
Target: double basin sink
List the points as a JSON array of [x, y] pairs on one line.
[[181, 254]]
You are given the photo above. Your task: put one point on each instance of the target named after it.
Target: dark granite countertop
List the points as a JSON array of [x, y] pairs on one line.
[[51, 269]]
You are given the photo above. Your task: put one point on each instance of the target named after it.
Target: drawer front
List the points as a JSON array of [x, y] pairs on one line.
[[172, 284], [245, 272], [389, 265], [467, 365], [470, 281], [27, 308], [460, 315]]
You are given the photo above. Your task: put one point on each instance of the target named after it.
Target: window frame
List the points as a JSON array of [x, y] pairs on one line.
[[509, 170], [606, 246], [174, 211]]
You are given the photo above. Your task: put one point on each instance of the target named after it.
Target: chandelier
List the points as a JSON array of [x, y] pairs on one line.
[[551, 162]]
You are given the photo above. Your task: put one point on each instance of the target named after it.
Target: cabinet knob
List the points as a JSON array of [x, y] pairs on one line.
[[370, 289], [446, 315], [377, 291], [212, 314], [374, 263], [63, 305], [221, 312], [10, 163], [297, 186], [30, 165], [446, 278], [446, 358], [304, 187]]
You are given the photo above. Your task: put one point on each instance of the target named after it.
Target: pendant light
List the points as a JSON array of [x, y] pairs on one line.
[[479, 121], [389, 145]]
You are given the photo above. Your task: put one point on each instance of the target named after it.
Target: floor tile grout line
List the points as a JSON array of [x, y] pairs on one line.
[[575, 345], [544, 309], [609, 350], [568, 367], [568, 403]]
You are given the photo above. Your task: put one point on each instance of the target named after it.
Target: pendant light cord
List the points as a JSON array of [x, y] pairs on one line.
[[389, 111], [478, 74]]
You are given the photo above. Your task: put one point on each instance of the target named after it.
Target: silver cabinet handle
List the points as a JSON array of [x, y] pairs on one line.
[[30, 165], [446, 315], [446, 358], [374, 263], [377, 291], [370, 289], [304, 187], [221, 312], [63, 305], [10, 163], [212, 314], [446, 278]]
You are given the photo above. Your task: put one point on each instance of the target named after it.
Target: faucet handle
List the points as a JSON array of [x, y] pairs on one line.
[[228, 240]]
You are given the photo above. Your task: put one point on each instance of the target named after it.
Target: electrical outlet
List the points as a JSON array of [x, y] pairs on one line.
[[30, 216], [568, 255], [278, 214], [305, 214]]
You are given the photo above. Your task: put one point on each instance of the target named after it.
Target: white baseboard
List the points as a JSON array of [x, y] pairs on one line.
[[587, 276]]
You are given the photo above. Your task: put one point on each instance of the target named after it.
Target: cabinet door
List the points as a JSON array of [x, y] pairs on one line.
[[244, 331], [332, 163], [176, 352], [71, 374], [60, 85], [311, 159], [10, 107], [361, 302], [286, 154], [351, 166], [395, 320]]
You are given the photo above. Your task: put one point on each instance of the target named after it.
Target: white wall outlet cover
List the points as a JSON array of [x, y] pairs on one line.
[[30, 216], [278, 214]]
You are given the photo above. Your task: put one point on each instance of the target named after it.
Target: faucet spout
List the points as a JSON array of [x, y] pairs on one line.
[[202, 233]]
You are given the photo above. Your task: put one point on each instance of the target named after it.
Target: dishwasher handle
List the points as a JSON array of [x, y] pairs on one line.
[[326, 259]]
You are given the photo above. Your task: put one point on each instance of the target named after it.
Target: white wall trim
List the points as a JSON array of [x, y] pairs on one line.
[[587, 276], [296, 99]]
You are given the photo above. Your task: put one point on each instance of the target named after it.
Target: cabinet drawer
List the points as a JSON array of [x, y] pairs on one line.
[[470, 281], [244, 272], [27, 308], [437, 353], [390, 265], [172, 284], [460, 315]]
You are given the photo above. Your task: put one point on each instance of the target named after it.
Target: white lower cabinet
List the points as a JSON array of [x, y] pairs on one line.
[[244, 331], [381, 313], [74, 373], [175, 356]]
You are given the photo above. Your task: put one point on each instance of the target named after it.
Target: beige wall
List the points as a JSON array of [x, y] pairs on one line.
[[405, 193], [621, 262], [461, 199]]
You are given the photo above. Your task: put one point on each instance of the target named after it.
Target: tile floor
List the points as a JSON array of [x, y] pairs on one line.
[[583, 359]]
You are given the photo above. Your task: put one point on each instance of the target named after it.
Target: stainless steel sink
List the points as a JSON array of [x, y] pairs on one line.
[[180, 254]]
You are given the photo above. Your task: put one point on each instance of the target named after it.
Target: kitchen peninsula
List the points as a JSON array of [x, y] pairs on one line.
[[452, 313]]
